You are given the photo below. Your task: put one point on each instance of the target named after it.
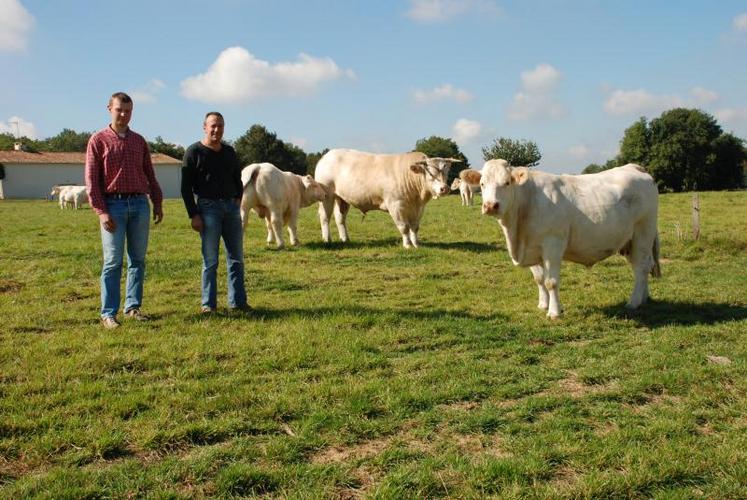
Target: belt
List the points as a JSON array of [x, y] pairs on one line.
[[122, 196]]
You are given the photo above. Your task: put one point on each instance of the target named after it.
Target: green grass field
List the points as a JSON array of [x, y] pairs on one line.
[[373, 371]]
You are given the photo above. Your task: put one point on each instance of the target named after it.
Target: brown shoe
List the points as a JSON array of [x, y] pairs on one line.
[[109, 322], [135, 314], [206, 310]]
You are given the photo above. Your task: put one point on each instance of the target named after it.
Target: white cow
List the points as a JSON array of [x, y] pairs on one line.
[[580, 218], [277, 197], [467, 183], [74, 196], [400, 184]]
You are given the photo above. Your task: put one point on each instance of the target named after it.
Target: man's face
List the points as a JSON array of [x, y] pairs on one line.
[[121, 112], [213, 128]]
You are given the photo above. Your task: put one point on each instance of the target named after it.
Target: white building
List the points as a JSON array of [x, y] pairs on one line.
[[32, 175]]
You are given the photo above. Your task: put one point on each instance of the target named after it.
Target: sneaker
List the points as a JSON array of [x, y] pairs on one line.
[[109, 322], [207, 310], [135, 314]]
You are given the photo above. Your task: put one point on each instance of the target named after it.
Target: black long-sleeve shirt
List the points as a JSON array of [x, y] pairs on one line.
[[209, 174]]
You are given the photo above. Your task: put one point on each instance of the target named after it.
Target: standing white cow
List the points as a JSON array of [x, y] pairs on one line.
[[74, 196], [400, 184], [467, 183], [580, 218], [277, 197]]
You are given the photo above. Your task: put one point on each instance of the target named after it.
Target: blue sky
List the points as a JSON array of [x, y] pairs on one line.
[[377, 75]]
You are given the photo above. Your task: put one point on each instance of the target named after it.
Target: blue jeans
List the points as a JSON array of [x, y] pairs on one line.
[[222, 218], [132, 216]]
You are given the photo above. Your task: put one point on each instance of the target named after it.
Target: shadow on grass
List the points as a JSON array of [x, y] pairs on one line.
[[467, 246], [660, 313], [377, 314]]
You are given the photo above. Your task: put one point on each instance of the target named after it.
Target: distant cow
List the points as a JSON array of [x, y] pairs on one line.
[[74, 196], [277, 196], [467, 183], [400, 184], [579, 218]]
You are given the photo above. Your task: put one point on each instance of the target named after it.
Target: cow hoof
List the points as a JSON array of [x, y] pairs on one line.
[[553, 316], [543, 306]]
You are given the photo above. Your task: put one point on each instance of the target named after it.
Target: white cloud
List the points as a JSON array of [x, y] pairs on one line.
[[18, 126], [740, 22], [732, 115], [543, 78], [435, 11], [147, 93], [641, 101], [703, 96], [237, 76], [444, 92], [579, 152], [466, 130], [15, 23], [537, 98]]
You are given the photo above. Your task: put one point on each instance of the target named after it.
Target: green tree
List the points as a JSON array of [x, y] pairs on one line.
[[440, 147], [258, 145], [592, 168], [66, 141], [312, 159], [685, 149], [160, 146], [635, 146], [518, 152]]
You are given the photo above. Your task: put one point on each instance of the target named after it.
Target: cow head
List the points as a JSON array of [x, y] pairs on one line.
[[455, 185], [313, 191], [498, 182], [436, 172]]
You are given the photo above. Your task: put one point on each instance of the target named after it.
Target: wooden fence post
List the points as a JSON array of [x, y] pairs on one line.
[[696, 216]]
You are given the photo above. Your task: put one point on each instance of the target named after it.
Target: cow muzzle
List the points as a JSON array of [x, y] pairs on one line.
[[490, 208]]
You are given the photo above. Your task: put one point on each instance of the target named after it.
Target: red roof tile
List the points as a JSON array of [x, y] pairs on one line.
[[17, 157]]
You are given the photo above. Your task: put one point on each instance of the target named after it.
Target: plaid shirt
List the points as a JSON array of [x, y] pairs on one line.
[[119, 165]]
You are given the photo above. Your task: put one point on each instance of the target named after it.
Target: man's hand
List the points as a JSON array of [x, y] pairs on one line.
[[157, 214], [197, 224], [107, 222]]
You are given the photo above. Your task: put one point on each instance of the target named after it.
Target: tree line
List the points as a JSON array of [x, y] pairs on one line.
[[683, 149]]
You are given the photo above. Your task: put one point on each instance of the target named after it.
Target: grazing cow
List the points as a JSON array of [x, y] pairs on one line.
[[579, 218], [467, 183], [400, 184], [277, 196]]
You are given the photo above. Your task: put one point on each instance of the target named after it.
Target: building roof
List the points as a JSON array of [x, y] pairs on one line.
[[25, 157]]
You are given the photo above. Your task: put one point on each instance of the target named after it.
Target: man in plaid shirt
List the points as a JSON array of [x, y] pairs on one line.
[[119, 179]]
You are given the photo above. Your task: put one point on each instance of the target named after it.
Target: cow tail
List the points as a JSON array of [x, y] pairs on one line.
[[656, 268]]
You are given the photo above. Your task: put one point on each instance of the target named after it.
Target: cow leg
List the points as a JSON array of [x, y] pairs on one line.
[[402, 225], [276, 221], [268, 225], [641, 260], [469, 197], [341, 212], [292, 233], [325, 212], [552, 255], [538, 272]]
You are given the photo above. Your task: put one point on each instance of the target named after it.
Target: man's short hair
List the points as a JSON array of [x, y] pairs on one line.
[[212, 113], [123, 98]]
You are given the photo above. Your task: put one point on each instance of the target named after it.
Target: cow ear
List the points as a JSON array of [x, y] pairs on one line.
[[418, 167], [519, 175]]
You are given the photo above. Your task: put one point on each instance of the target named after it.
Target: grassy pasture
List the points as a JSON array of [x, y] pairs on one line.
[[372, 371]]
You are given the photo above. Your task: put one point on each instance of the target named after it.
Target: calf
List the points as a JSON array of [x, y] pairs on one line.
[[277, 197], [467, 183]]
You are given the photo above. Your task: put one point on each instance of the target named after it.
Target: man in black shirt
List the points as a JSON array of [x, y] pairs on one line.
[[211, 171]]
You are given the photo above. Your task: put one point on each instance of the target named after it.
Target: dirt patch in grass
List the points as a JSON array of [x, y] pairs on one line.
[[10, 286]]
